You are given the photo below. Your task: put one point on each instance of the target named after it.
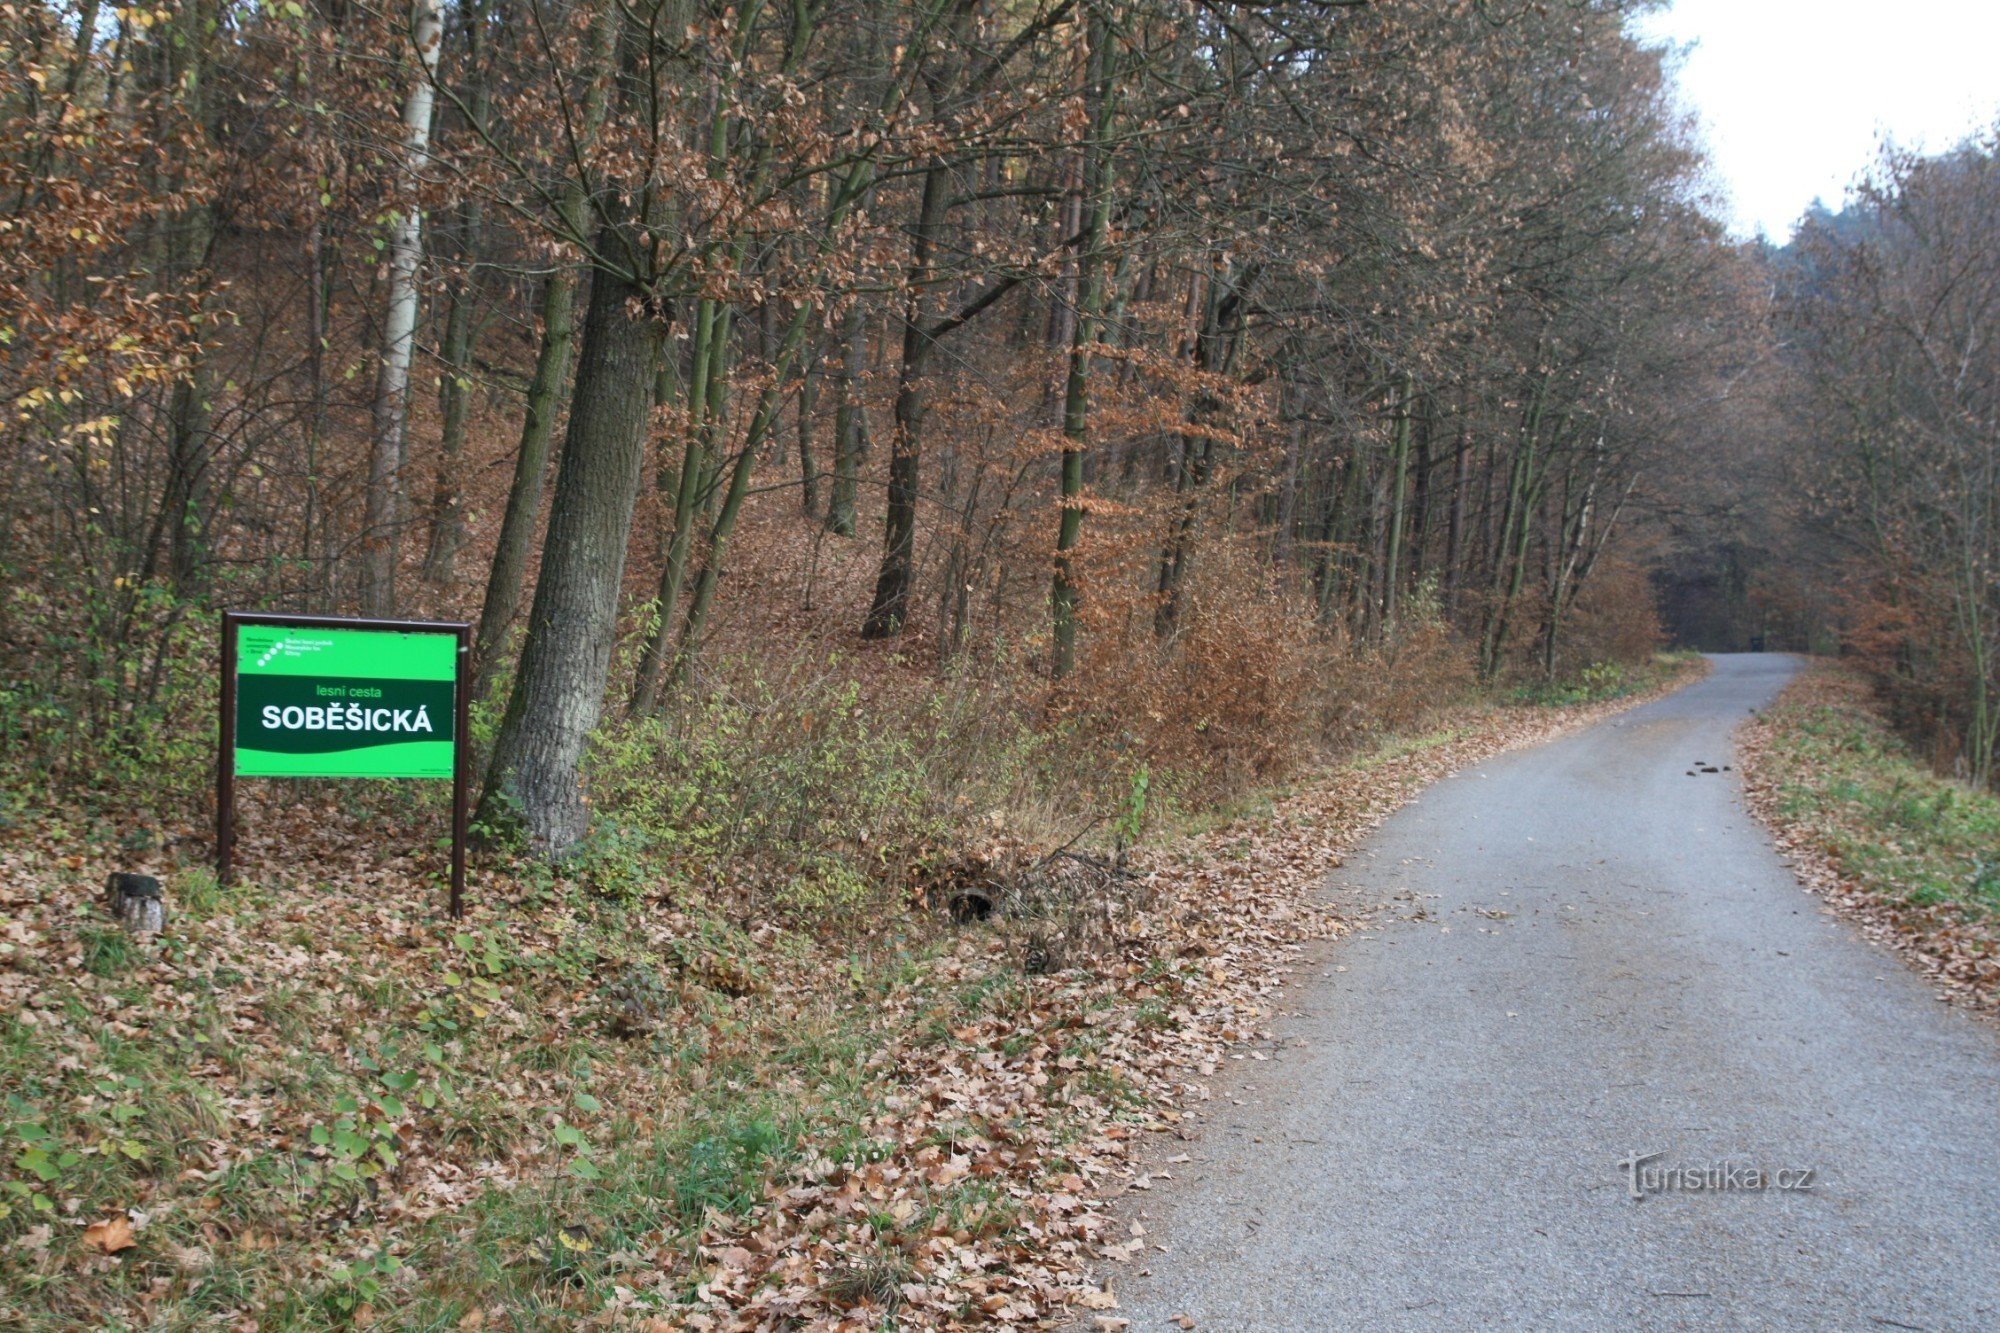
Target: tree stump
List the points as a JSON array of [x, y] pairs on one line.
[[135, 901]]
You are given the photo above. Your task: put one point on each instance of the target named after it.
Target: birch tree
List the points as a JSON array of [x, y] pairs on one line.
[[389, 457]]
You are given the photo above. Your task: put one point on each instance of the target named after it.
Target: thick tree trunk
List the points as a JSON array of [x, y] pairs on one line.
[[559, 691], [545, 393]]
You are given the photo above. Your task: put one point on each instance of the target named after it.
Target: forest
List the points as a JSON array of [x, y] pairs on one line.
[[876, 439], [1183, 376]]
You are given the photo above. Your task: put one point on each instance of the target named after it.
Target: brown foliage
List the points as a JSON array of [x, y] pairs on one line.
[[1394, 688], [1228, 702], [1615, 619]]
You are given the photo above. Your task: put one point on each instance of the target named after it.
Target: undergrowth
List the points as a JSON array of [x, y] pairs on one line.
[[1896, 828], [1600, 682]]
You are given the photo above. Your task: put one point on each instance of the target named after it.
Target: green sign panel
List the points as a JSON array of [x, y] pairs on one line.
[[344, 703]]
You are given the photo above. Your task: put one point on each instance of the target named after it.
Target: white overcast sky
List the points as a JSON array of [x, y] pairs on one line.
[[1795, 96]]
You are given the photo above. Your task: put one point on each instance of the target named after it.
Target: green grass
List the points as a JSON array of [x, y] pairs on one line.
[[1897, 829], [655, 1138]]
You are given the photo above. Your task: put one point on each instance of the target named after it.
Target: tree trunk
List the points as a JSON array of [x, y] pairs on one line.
[[762, 424], [382, 535], [1524, 484], [185, 249], [891, 604], [559, 691], [531, 466], [1392, 561], [850, 423], [692, 482], [447, 532], [808, 400], [1454, 536], [188, 423], [545, 394], [447, 527], [1212, 350], [1095, 197]]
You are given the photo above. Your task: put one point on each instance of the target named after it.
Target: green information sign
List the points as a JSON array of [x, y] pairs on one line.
[[345, 703], [317, 697]]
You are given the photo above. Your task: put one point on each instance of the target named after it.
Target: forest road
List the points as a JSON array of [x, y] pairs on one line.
[[1580, 955]]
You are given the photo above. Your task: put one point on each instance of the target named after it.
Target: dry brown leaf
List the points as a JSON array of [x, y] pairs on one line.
[[110, 1235]]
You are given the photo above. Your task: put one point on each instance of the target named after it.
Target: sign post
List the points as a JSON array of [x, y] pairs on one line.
[[318, 697]]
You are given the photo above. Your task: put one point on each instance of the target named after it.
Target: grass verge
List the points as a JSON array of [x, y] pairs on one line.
[[1912, 856]]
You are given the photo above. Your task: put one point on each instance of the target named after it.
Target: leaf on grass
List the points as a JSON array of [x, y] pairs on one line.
[[110, 1235]]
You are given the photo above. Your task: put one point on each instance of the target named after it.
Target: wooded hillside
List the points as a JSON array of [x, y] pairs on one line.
[[1170, 356]]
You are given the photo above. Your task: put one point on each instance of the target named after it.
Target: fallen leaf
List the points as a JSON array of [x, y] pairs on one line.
[[109, 1235]]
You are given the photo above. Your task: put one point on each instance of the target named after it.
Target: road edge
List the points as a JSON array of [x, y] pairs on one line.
[[1914, 936]]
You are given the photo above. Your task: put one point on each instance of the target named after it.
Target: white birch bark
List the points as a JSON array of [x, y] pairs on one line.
[[382, 537]]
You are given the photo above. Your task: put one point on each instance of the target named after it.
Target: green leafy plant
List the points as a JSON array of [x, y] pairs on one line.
[[40, 1158], [1131, 819]]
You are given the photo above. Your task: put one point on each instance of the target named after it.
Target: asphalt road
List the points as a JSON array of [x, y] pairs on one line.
[[1583, 954]]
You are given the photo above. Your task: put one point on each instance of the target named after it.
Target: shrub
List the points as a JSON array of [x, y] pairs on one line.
[[110, 694], [1224, 704], [1615, 620], [754, 767]]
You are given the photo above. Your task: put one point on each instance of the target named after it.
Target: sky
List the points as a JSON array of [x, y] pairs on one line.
[[1796, 96]]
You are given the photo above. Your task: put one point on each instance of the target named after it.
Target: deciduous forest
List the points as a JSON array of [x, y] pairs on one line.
[[902, 459], [1186, 376]]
